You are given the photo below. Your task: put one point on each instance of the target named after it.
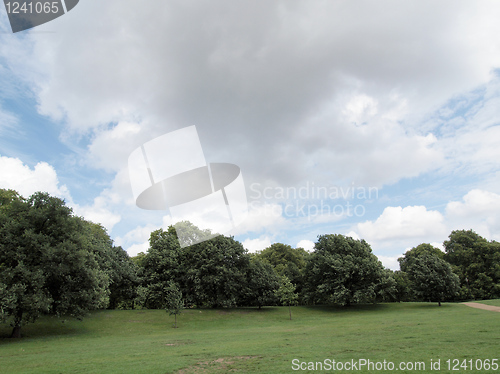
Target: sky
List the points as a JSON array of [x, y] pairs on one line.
[[377, 120]]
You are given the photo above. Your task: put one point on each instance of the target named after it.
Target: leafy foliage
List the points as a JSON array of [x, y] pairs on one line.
[[48, 261], [212, 273], [286, 294], [477, 263], [261, 284], [286, 261], [173, 301], [161, 265], [410, 256], [404, 291], [343, 270], [432, 278]]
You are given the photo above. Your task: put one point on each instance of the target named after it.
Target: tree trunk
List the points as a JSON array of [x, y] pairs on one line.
[[16, 332], [290, 311], [439, 303], [175, 319]]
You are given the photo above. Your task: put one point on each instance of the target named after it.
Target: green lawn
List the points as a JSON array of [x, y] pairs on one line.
[[251, 340], [495, 302]]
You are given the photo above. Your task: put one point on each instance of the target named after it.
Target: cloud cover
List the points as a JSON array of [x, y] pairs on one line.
[[283, 88], [290, 91]]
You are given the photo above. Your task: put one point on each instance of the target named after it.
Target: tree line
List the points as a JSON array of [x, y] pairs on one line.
[[53, 262]]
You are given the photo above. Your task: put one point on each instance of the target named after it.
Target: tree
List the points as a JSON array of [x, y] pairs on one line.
[[173, 301], [477, 263], [139, 260], [124, 279], [211, 273], [214, 272], [260, 285], [161, 265], [404, 290], [432, 278], [286, 261], [410, 256], [386, 289], [286, 294], [47, 263], [120, 269], [342, 270]]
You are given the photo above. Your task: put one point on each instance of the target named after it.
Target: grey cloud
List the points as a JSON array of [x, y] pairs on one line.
[[252, 76]]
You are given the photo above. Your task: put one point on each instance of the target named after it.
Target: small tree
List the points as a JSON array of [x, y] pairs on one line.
[[286, 294], [173, 301]]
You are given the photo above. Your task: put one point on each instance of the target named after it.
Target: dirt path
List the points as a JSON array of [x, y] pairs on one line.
[[483, 306]]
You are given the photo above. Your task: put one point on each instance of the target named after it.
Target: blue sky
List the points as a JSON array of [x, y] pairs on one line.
[[401, 99]]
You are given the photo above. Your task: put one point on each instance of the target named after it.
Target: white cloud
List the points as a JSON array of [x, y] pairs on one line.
[[254, 245], [438, 245], [390, 262], [110, 148], [14, 174], [308, 245], [360, 109], [100, 211], [373, 152], [397, 223], [43, 177], [371, 64], [136, 240], [353, 235], [261, 217], [324, 92], [408, 227], [135, 249], [477, 203], [478, 210]]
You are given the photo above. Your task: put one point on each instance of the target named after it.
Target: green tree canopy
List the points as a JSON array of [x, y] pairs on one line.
[[410, 255], [212, 273], [432, 278], [342, 270], [161, 265], [286, 261], [47, 261], [261, 283], [477, 263]]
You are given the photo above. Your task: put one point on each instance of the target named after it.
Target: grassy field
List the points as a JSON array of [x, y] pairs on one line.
[[251, 340], [495, 302]]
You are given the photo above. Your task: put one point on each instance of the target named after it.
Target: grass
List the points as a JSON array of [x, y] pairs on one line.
[[495, 302], [247, 340]]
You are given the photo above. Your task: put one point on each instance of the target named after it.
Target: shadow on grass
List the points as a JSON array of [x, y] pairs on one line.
[[346, 309], [264, 309], [46, 328], [431, 305], [236, 310]]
